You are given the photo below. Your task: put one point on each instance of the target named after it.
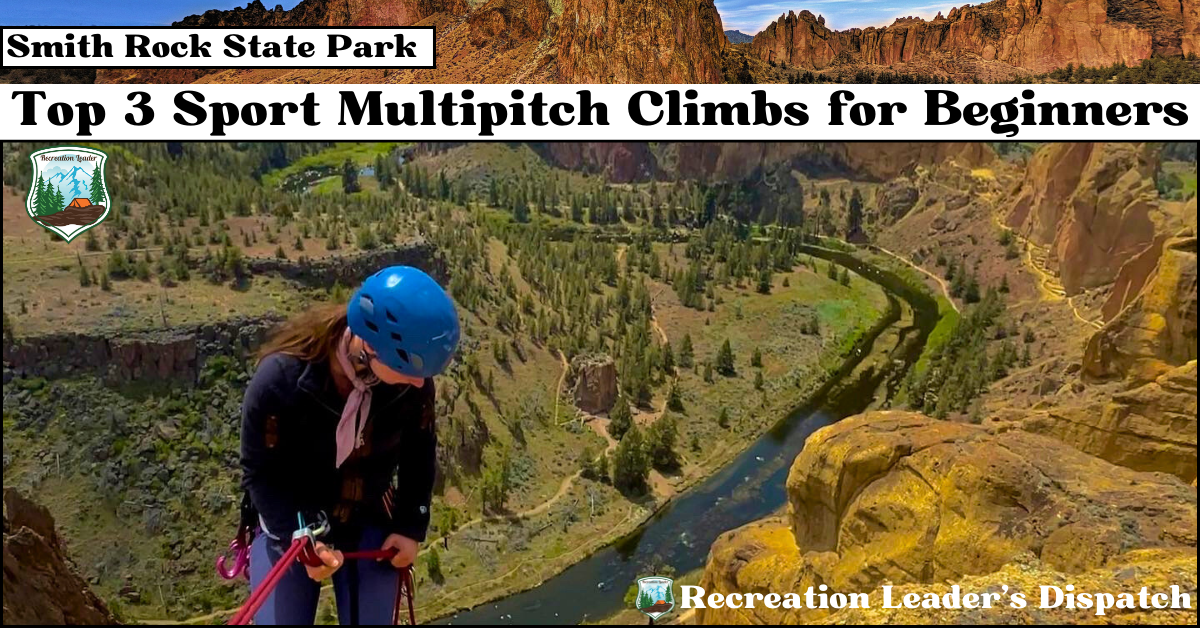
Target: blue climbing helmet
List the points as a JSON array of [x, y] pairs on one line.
[[407, 318]]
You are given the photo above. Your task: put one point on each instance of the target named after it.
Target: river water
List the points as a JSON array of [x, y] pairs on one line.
[[748, 488]]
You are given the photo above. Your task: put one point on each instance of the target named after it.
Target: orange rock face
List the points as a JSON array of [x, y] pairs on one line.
[[618, 41], [1096, 208], [1035, 35]]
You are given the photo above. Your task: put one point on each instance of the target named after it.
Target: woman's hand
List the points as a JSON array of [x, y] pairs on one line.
[[406, 550], [332, 559]]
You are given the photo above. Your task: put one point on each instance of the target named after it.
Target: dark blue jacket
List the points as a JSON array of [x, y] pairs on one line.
[[289, 417]]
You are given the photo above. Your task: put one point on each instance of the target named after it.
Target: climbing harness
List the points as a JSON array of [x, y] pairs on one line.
[[303, 549]]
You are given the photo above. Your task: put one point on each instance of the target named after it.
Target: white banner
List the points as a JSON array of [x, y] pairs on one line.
[[600, 112], [189, 48]]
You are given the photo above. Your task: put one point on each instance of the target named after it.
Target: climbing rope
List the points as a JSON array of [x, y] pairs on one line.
[[303, 550]]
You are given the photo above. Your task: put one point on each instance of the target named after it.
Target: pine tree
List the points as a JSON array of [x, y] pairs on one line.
[[660, 443], [619, 418], [758, 380], [41, 202], [631, 465], [85, 279], [97, 195], [686, 352], [497, 482], [708, 372], [756, 358], [854, 216], [668, 359], [350, 177], [674, 401], [59, 202], [725, 360], [723, 418]]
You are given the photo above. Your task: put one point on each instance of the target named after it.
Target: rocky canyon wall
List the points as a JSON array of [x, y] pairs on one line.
[[574, 41], [1034, 35], [1095, 206], [625, 162], [178, 354], [617, 41]]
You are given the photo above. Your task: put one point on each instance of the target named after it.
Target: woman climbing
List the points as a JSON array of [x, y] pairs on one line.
[[338, 421]]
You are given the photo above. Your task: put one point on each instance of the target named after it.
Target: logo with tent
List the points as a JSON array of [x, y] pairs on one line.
[[655, 597], [68, 193]]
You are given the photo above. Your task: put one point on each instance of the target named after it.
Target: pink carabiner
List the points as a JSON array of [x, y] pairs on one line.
[[241, 560]]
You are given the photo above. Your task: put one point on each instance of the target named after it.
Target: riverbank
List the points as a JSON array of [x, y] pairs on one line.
[[677, 534]]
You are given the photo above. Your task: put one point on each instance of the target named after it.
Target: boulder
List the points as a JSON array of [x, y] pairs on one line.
[[902, 498], [40, 585], [595, 383]]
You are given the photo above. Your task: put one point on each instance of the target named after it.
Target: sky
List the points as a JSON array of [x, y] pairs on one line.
[[748, 16]]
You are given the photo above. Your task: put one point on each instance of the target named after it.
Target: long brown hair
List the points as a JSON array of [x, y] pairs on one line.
[[312, 336]]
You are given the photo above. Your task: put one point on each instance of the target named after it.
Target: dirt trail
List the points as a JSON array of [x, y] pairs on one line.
[[1049, 286], [562, 377], [941, 282]]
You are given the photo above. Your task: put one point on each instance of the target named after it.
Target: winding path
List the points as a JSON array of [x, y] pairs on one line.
[[941, 282], [1049, 285]]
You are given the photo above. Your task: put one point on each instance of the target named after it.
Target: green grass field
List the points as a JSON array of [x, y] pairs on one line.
[[361, 153]]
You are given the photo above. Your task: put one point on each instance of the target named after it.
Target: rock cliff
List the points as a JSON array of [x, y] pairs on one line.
[[40, 585], [615, 41], [1157, 330], [1150, 427], [898, 497], [510, 41], [327, 13], [1034, 35], [1096, 207]]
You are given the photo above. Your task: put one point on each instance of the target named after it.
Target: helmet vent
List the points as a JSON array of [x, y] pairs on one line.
[[403, 354], [390, 317], [371, 326], [397, 337]]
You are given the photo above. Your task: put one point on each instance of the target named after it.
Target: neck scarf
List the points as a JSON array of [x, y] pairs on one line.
[[358, 405]]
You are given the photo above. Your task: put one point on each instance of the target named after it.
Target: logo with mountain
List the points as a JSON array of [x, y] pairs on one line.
[[68, 194], [654, 596]]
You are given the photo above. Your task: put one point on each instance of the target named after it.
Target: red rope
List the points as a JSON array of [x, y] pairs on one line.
[[258, 597]]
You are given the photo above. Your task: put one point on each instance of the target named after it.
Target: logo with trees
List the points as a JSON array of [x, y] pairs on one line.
[[69, 193], [655, 597]]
